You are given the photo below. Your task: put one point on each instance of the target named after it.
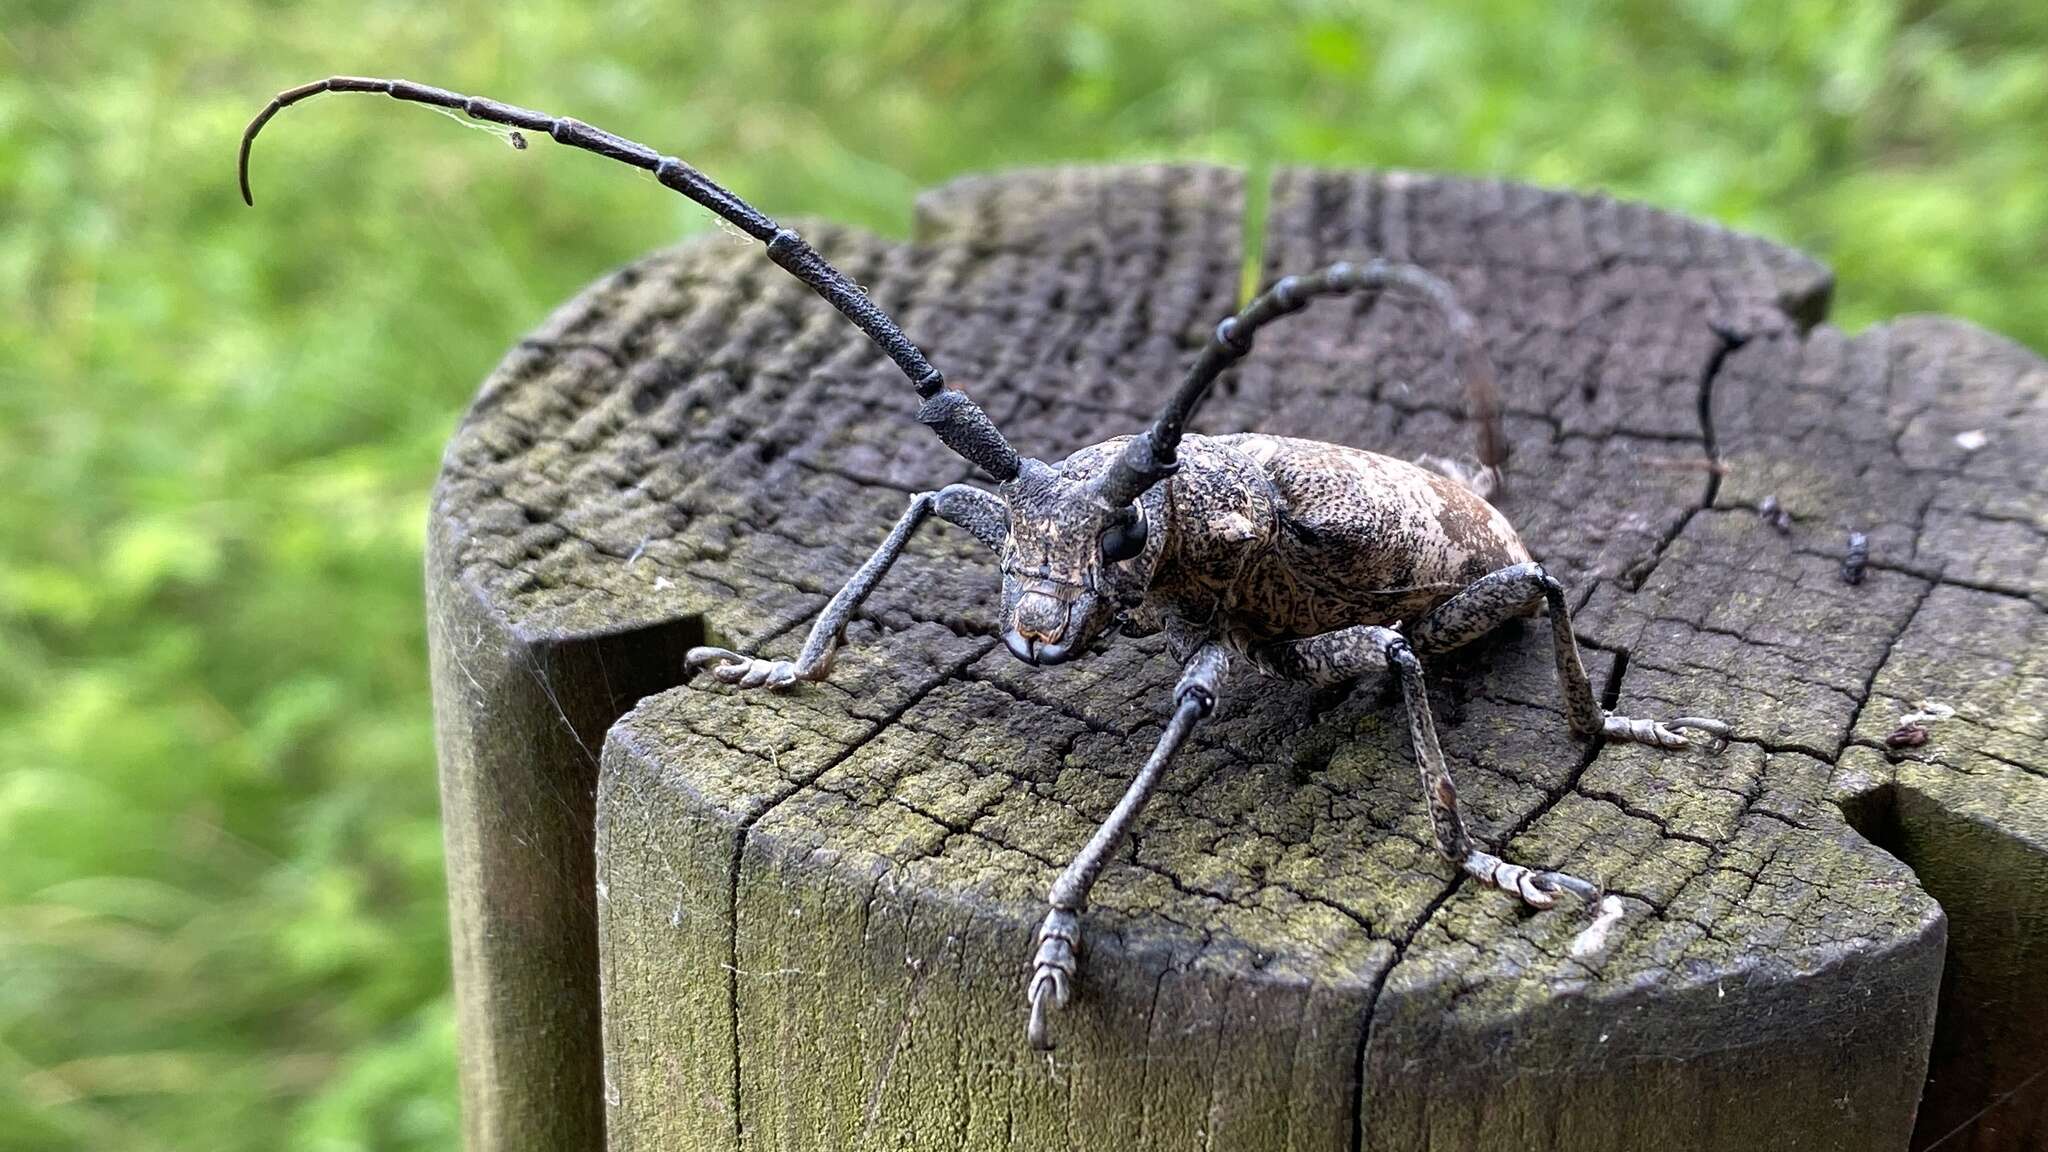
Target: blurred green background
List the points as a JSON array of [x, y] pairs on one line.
[[221, 907]]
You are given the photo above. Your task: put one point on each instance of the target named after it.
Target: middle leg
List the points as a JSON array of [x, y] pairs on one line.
[[1347, 654]]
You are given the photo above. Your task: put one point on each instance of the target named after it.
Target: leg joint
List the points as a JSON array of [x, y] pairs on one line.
[[1553, 588], [1202, 679], [1402, 656]]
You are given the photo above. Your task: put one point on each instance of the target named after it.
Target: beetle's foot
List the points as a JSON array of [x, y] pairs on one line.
[[1668, 733], [1536, 889], [746, 671], [1052, 972]]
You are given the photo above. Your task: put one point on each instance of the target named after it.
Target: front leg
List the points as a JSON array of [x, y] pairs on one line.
[[1497, 597], [971, 508], [1345, 655], [1059, 938]]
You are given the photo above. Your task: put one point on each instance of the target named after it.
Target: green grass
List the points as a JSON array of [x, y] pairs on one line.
[[221, 907]]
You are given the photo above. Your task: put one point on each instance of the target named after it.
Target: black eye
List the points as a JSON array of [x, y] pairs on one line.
[[1124, 538]]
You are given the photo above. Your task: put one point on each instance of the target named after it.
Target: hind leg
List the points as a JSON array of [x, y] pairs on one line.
[[1494, 599]]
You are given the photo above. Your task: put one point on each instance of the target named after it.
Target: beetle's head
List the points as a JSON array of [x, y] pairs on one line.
[[1074, 561]]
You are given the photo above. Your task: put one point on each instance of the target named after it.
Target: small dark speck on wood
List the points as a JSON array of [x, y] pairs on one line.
[[1857, 557], [1910, 735], [1772, 513]]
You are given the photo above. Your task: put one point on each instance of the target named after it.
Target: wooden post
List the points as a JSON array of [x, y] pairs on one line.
[[810, 913]]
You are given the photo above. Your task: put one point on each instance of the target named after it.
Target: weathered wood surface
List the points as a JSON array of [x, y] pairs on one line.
[[814, 910]]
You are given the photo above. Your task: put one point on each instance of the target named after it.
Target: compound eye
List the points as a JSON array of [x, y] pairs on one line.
[[1125, 538]]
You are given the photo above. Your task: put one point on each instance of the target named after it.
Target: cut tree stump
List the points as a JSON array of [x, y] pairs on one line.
[[805, 919]]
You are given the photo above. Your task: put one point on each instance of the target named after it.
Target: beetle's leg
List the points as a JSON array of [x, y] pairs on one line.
[[1494, 599], [1059, 937], [1335, 657], [971, 508]]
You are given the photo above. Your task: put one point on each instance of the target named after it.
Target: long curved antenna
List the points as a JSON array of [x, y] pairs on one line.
[[1149, 457], [959, 422]]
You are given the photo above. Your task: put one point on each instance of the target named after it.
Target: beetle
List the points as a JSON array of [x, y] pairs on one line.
[[1302, 560]]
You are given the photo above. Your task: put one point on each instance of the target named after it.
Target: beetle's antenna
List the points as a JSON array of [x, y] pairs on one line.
[[959, 422], [1149, 456]]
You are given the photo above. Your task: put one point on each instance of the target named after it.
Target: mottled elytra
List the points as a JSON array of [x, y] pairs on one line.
[[1299, 559]]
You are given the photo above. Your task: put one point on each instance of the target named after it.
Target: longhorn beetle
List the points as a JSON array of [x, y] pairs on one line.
[[1307, 561]]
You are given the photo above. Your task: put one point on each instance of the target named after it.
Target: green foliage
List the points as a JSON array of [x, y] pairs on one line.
[[221, 916]]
